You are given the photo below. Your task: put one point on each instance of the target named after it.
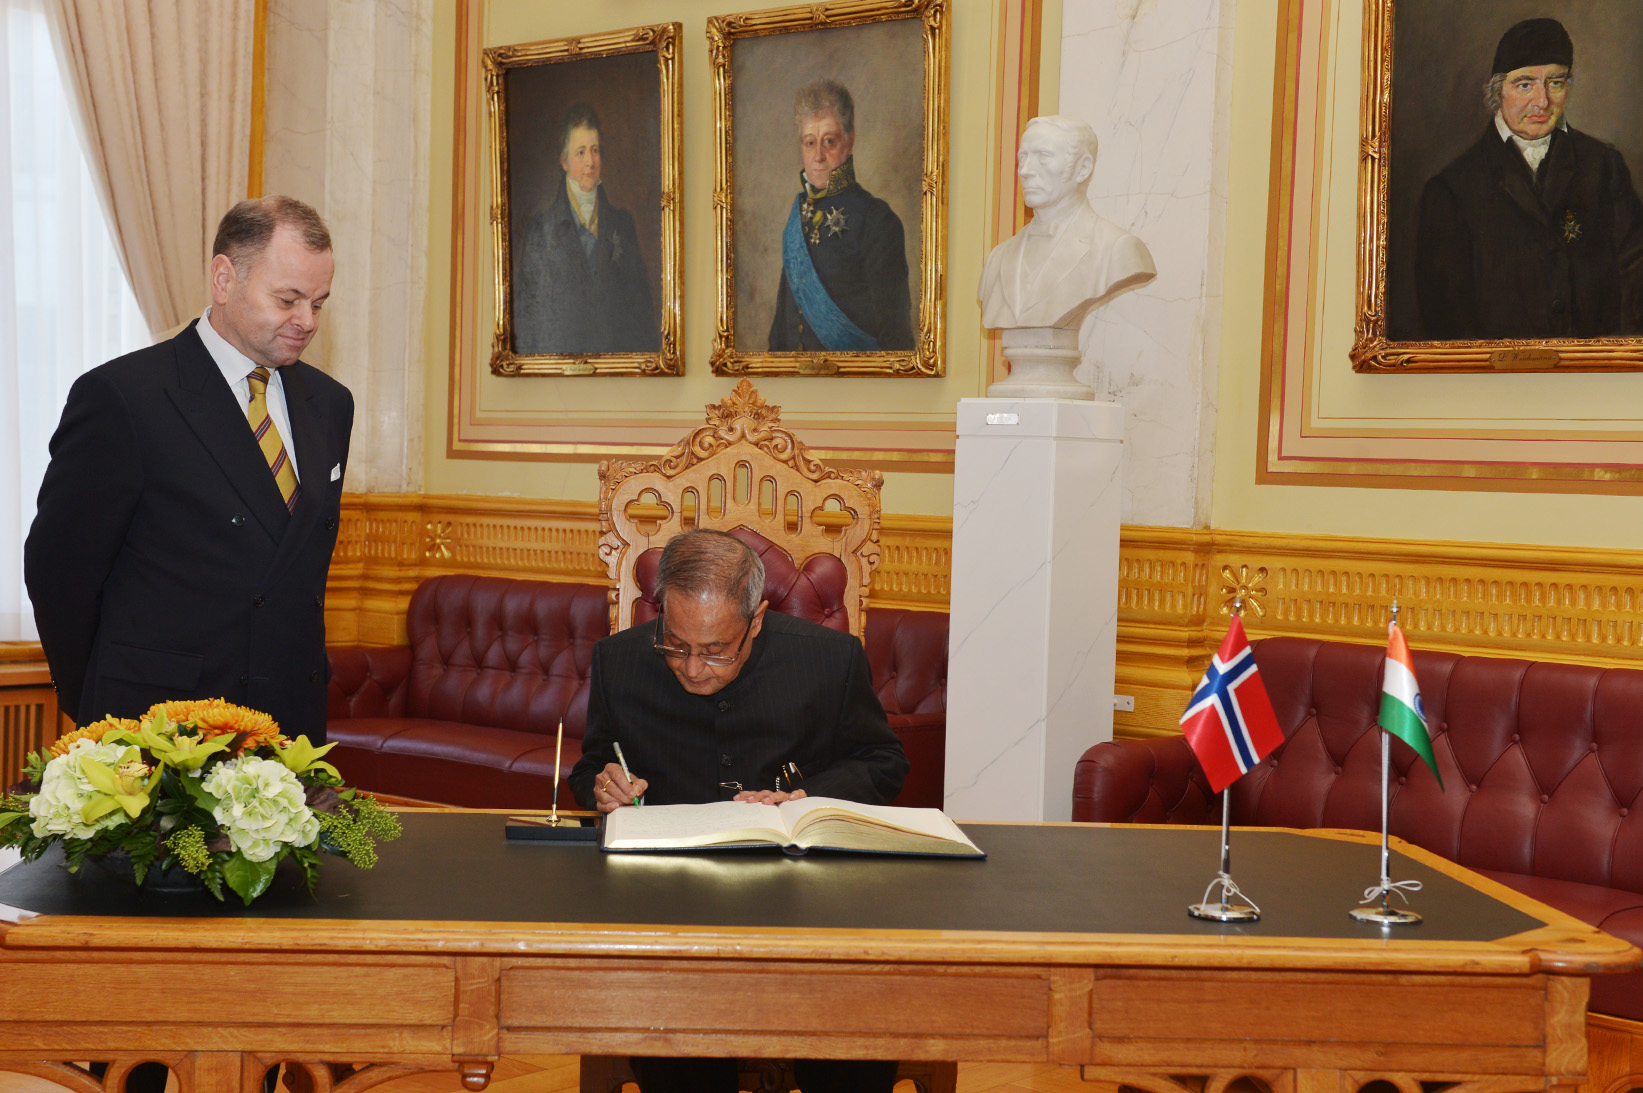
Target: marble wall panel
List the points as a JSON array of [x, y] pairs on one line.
[[349, 84], [1153, 78]]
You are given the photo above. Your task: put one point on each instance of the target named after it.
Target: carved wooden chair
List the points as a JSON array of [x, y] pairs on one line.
[[815, 528]]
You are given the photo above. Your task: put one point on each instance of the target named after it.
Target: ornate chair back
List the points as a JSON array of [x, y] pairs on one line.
[[816, 528]]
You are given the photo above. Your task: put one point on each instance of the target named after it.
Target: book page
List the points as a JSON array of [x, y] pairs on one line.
[[828, 821], [719, 823]]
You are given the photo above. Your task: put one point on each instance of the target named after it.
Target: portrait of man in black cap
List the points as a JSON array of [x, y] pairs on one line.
[[1535, 231]]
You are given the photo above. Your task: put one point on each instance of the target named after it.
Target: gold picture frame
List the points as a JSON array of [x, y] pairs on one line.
[[778, 51], [1401, 148], [531, 214]]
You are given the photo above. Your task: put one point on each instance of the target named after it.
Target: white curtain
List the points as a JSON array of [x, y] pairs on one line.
[[65, 304], [164, 95]]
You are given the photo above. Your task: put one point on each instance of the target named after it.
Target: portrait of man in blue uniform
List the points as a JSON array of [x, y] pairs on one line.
[[844, 284]]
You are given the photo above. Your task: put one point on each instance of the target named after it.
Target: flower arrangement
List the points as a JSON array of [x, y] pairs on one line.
[[206, 786]]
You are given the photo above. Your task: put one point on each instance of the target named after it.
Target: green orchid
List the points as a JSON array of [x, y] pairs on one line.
[[125, 786], [300, 757], [181, 752]]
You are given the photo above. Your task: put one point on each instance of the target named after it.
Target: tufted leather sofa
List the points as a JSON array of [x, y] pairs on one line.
[[466, 713], [1542, 763]]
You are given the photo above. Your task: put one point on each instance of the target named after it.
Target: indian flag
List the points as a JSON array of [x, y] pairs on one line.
[[1402, 714]]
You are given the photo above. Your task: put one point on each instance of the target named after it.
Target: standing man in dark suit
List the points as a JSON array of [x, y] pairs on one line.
[[844, 254], [186, 521], [710, 702], [1535, 231]]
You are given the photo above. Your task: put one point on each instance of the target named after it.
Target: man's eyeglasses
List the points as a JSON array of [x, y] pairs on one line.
[[715, 660]]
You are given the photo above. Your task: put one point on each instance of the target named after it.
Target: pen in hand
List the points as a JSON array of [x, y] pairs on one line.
[[622, 759]]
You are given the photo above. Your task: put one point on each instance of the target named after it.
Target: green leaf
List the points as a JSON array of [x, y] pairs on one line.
[[9, 818], [248, 879]]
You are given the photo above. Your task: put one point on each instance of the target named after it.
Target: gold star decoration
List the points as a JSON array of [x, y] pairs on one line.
[[1571, 226]]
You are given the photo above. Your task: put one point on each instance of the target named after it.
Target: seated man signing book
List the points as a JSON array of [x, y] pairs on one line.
[[716, 699]]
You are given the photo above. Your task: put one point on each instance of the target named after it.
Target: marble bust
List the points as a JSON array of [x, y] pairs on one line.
[[1067, 261]]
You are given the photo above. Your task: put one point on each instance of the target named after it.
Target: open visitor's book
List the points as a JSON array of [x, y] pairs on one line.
[[809, 823]]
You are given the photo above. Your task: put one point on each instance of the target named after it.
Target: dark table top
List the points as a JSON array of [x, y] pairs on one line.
[[1056, 879]]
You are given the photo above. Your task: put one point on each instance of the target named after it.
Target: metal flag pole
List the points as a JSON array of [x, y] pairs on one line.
[[1225, 910], [1386, 914]]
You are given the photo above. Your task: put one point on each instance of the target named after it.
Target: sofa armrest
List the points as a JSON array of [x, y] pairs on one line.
[[1155, 781], [923, 737], [367, 681]]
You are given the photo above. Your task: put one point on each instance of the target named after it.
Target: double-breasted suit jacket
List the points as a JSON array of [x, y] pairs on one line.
[[162, 562]]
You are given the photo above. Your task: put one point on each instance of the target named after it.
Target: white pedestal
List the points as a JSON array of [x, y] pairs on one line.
[[1036, 493]]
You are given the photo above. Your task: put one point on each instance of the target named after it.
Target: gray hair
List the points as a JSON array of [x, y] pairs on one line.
[[245, 229], [1492, 91], [825, 97], [1078, 131], [716, 564]]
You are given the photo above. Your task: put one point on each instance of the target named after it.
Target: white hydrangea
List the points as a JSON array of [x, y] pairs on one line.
[[262, 806], [65, 791]]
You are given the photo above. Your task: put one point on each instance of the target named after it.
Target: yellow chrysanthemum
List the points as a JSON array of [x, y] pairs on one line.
[[94, 731], [217, 717]]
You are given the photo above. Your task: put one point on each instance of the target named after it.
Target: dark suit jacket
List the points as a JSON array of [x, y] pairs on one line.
[[162, 562], [863, 267], [1506, 253], [805, 695], [567, 300]]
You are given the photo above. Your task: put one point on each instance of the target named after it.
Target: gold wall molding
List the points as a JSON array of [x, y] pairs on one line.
[[1570, 604], [387, 544]]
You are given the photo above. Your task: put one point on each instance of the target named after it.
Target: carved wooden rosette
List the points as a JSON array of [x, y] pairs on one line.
[[741, 469]]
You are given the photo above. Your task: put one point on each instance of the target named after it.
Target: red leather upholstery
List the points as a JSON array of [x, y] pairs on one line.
[[1542, 765], [907, 651], [466, 714], [368, 681], [813, 591]]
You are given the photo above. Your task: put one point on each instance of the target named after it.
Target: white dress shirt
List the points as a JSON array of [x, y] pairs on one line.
[[235, 367]]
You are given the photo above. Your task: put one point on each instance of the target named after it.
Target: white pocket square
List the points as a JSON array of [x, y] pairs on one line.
[[336, 472]]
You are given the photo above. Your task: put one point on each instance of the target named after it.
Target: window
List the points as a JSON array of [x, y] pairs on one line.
[[65, 304]]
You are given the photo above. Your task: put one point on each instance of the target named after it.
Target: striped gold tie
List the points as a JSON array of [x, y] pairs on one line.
[[268, 438]]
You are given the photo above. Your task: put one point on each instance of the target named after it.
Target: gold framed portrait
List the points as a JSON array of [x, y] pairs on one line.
[[586, 216], [1499, 229], [830, 188]]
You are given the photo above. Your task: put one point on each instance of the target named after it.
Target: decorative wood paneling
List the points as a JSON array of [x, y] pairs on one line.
[[1175, 586], [28, 708]]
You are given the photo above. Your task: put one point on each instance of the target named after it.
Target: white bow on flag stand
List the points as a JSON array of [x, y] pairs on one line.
[[1402, 715], [1230, 726]]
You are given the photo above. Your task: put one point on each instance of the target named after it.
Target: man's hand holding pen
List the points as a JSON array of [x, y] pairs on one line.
[[613, 788]]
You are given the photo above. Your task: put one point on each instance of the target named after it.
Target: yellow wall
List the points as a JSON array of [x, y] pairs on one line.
[[1480, 516], [971, 179]]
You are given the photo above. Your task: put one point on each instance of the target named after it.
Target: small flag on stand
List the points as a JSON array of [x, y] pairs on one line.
[[1403, 716], [1230, 726], [1229, 723], [1402, 713]]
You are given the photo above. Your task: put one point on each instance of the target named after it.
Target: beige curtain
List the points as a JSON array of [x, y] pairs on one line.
[[163, 89]]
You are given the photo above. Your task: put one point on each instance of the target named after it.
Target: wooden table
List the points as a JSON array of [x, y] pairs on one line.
[[1071, 944]]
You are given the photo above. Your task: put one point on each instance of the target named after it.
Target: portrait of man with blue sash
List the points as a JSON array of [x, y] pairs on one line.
[[844, 283]]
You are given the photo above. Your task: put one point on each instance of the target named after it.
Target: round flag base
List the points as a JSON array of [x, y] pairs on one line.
[[1224, 912], [1384, 916]]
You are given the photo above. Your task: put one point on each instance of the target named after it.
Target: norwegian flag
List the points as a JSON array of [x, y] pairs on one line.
[[1229, 722]]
